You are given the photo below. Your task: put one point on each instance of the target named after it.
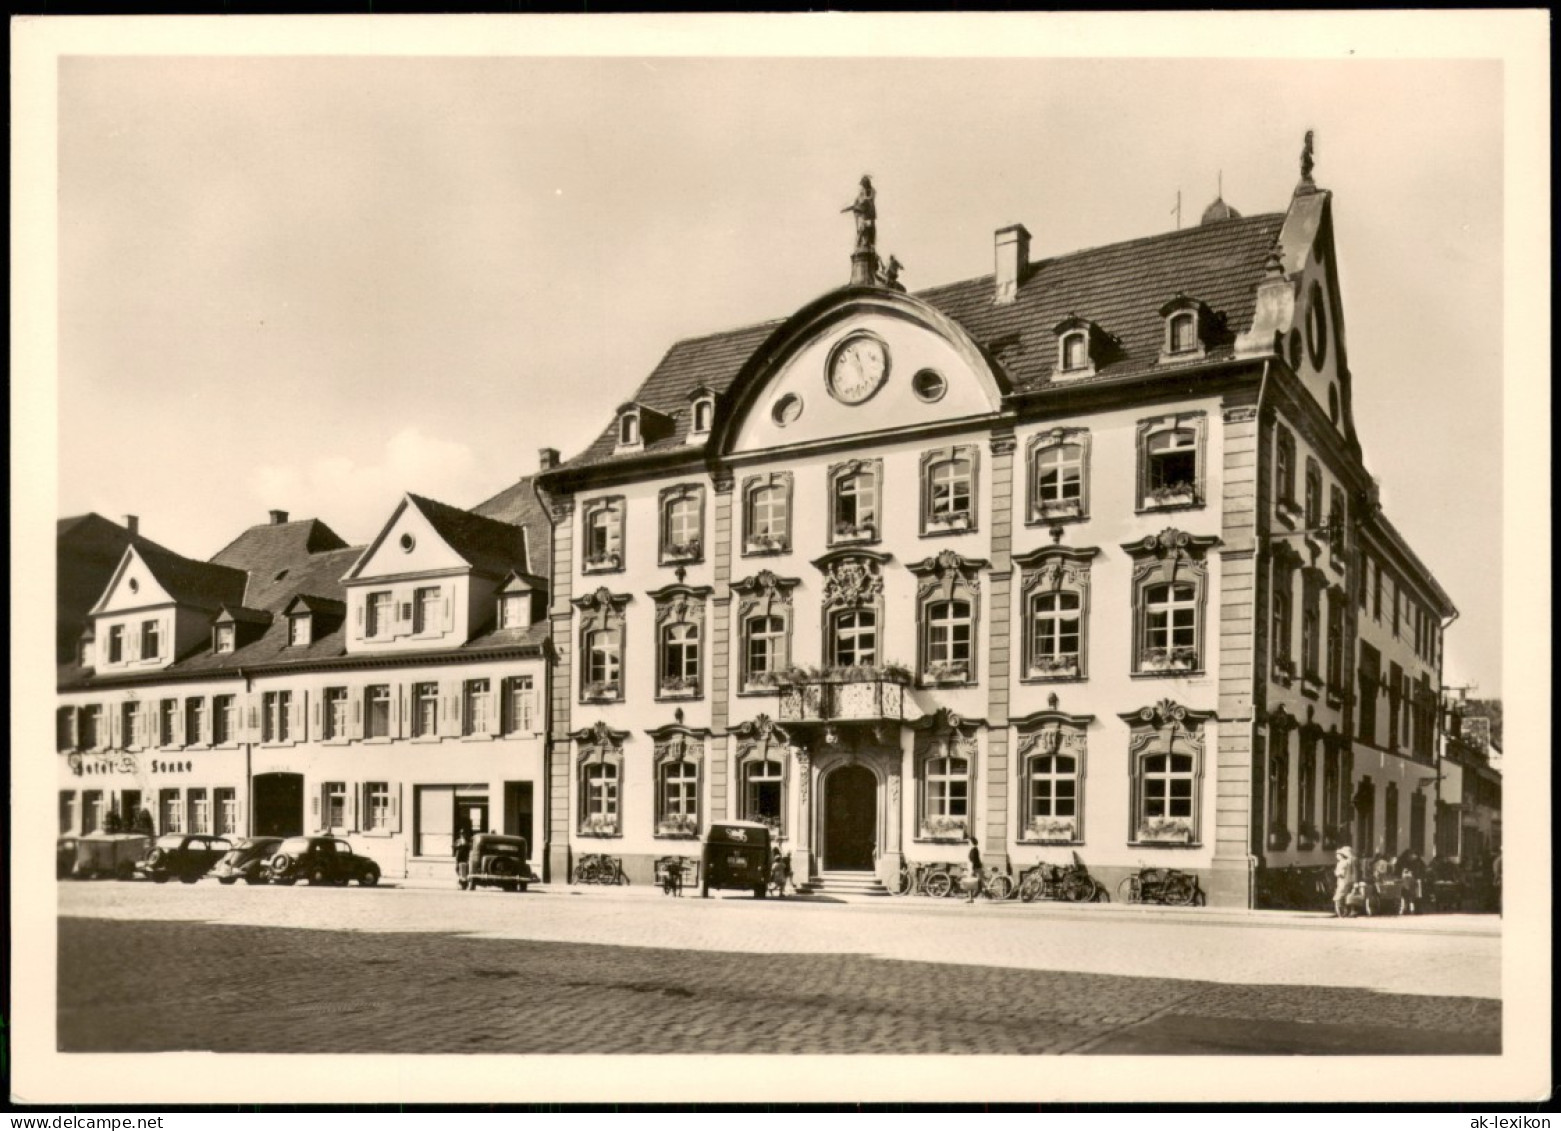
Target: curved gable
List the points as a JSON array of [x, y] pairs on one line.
[[784, 396]]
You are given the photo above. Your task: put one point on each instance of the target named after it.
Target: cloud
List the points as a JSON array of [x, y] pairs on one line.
[[355, 499]]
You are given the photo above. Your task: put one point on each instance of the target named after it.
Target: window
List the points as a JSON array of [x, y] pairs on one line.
[[65, 728], [225, 802], [1306, 790], [335, 722], [1054, 633], [1278, 796], [1075, 352], [600, 772], [677, 798], [1390, 820], [93, 808], [1417, 808], [948, 490], [116, 644], [1166, 749], [854, 638], [514, 610], [425, 610], [224, 638], [167, 721], [1284, 468], [67, 811], [194, 722], [376, 711], [477, 707], [1395, 697], [200, 811], [604, 534], [334, 805], [854, 501], [379, 614], [1336, 606], [948, 792], [704, 412], [151, 640], [944, 756], [767, 513], [129, 725], [949, 629], [1334, 784], [1170, 456], [298, 631], [764, 613], [1314, 495], [1051, 754], [628, 429], [1169, 581], [946, 615], [1053, 787], [1184, 333], [1336, 524], [1376, 594], [518, 705], [601, 645], [425, 710], [1058, 462], [601, 796], [763, 792], [275, 725], [223, 708], [170, 808], [92, 735], [764, 648], [1283, 618], [1311, 626], [603, 651], [376, 807], [1370, 685], [1054, 587], [682, 523], [679, 659]]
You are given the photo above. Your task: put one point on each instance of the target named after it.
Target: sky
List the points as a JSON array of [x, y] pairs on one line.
[[314, 283]]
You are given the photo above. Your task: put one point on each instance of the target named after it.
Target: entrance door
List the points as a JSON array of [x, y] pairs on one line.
[[517, 812], [279, 805], [850, 819]]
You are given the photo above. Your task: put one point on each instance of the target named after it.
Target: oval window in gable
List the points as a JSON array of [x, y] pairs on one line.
[[929, 385], [1316, 327]]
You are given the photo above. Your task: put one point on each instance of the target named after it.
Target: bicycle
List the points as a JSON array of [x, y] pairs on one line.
[[1070, 883], [674, 873], [1161, 885], [598, 868]]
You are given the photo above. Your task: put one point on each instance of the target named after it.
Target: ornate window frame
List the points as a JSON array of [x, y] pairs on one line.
[[1312, 644], [1172, 730], [1179, 309], [859, 532], [1308, 833], [701, 403], [946, 577], [1055, 569], [1074, 328], [1180, 495], [1051, 734], [1284, 564], [1171, 557], [684, 746], [957, 522], [598, 745], [602, 611], [759, 741], [853, 582], [756, 544], [680, 605], [939, 736], [679, 553], [1312, 503], [763, 595], [605, 560], [1286, 509], [1050, 512]]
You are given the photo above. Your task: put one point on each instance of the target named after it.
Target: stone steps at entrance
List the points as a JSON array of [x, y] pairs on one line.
[[844, 883]]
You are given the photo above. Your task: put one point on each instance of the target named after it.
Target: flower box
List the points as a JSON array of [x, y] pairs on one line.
[[947, 673], [1172, 495], [1060, 830], [945, 828], [1306, 838], [679, 688], [1165, 830], [1059, 508], [1055, 667], [766, 544], [683, 551], [949, 522], [862, 531], [599, 826], [679, 826], [601, 691], [1168, 660], [1284, 672], [603, 562], [1288, 512], [1278, 838]]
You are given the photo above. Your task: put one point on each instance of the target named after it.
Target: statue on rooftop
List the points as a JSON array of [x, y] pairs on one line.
[[866, 215], [1306, 159], [891, 272]]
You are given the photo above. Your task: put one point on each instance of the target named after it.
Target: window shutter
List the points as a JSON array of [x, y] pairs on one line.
[[495, 707], [357, 632], [178, 722], [352, 807], [319, 808], [319, 724], [252, 706], [395, 806], [115, 738], [448, 695], [356, 728], [132, 642], [400, 710], [449, 618], [238, 815], [149, 733], [296, 714]]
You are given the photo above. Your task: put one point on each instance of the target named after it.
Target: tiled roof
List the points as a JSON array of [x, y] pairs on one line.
[[189, 582], [520, 505], [488, 544], [1120, 288], [244, 615], [317, 574], [88, 549], [265, 550]]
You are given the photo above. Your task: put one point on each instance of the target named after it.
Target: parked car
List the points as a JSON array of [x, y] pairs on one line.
[[182, 856], [110, 854], [498, 861], [736, 855], [247, 860], [320, 860], [64, 857]]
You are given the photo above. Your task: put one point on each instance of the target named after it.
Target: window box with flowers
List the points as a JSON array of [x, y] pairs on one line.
[[1284, 671], [1052, 830], [856, 531], [1288, 511], [941, 673], [1278, 836], [675, 687], [603, 563], [1335, 835], [766, 544], [601, 692], [1054, 510], [1165, 830], [1054, 667], [684, 825], [689, 551], [944, 828], [1171, 495], [599, 825], [949, 523], [1306, 837], [1311, 685], [1168, 660]]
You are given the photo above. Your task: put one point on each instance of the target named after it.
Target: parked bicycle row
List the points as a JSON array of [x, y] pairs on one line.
[[1070, 883]]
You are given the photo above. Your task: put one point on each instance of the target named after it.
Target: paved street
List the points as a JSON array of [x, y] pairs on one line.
[[562, 970]]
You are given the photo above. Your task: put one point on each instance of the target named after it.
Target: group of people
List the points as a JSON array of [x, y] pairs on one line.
[[1361, 879]]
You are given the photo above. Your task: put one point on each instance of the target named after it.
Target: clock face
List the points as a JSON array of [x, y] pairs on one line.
[[858, 369]]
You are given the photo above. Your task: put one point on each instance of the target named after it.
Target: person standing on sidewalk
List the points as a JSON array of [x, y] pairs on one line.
[[1344, 880], [463, 856], [974, 881]]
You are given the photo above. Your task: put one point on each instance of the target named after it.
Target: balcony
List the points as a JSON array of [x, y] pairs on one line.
[[870, 696]]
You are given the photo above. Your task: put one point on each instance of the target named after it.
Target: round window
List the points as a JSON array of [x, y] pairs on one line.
[[929, 385], [135, 586], [1316, 327], [787, 409], [408, 543]]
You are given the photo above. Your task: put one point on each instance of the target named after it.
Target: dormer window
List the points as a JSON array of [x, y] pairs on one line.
[[1075, 352], [1184, 333], [701, 412], [1080, 345], [628, 429], [116, 644], [514, 610], [1187, 322], [224, 638], [298, 631]]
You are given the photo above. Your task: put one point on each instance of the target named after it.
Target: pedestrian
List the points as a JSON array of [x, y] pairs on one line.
[[778, 870], [973, 880], [1344, 871], [463, 856], [1410, 869]]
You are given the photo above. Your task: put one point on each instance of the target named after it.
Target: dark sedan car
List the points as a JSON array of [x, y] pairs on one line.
[[249, 860], [178, 856], [321, 860]]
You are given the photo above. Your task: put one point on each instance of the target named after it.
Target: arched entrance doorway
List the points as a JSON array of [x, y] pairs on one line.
[[850, 819], [279, 805]]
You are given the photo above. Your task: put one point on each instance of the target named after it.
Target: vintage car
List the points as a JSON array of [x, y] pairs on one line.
[[110, 854], [182, 856], [736, 855], [498, 861], [320, 860], [64, 857], [247, 860]]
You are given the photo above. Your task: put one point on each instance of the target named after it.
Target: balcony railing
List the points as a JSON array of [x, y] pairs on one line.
[[826, 699]]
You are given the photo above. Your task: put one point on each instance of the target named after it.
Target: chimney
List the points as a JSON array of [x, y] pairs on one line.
[[132, 524], [547, 458], [278, 518], [1013, 256]]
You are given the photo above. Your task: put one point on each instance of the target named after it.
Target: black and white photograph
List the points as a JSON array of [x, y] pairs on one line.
[[760, 559]]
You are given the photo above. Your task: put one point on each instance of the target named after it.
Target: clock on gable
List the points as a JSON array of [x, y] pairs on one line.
[[857, 369]]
